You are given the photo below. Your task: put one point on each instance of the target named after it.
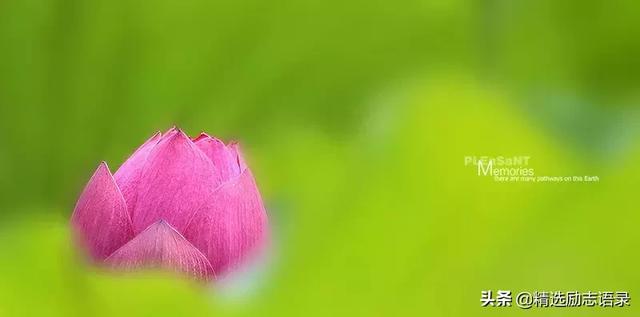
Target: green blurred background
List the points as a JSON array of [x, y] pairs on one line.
[[355, 117]]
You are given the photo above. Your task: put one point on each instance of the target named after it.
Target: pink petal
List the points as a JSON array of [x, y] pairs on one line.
[[224, 158], [128, 175], [235, 147], [200, 136], [177, 181], [161, 246], [100, 219], [233, 226]]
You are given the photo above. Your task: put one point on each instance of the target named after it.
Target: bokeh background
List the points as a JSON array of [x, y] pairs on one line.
[[355, 117]]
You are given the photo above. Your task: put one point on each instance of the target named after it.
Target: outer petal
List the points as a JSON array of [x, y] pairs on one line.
[[100, 219], [224, 158], [177, 181], [161, 246], [128, 175], [233, 226]]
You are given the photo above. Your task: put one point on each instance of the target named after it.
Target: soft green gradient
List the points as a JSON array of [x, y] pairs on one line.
[[355, 118]]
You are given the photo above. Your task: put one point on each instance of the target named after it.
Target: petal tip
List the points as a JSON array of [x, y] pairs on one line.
[[175, 134], [103, 169], [172, 130], [202, 136]]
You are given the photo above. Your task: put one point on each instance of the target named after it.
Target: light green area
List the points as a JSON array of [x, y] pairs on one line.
[[355, 118]]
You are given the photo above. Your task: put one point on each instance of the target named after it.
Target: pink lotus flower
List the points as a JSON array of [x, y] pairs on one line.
[[187, 205]]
